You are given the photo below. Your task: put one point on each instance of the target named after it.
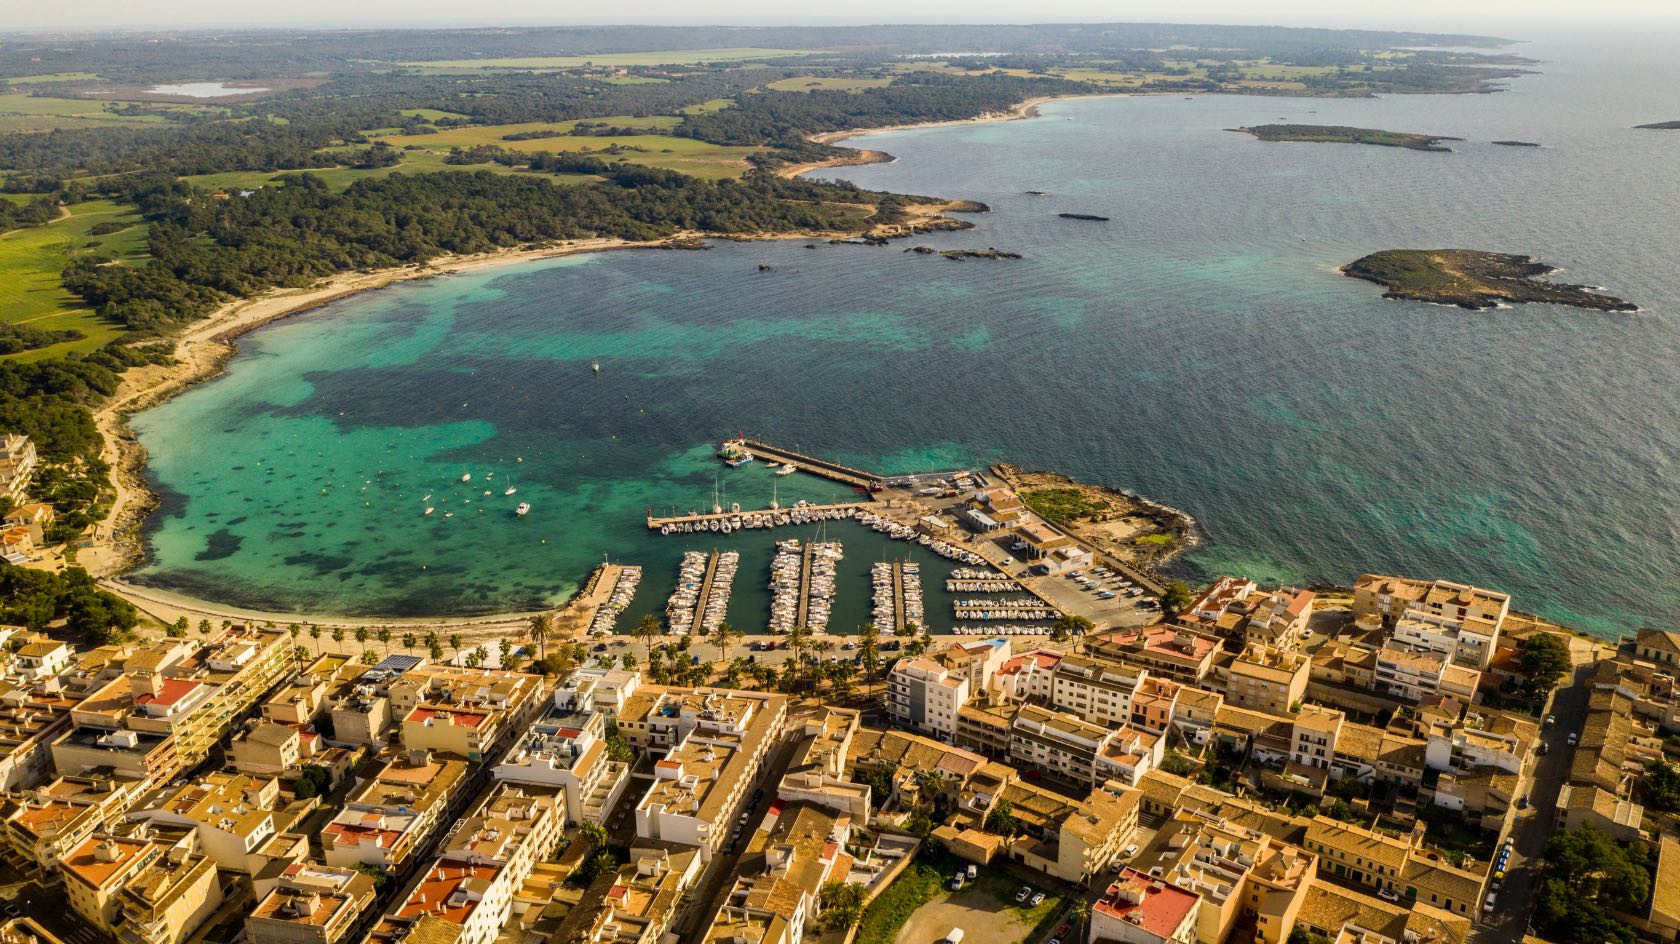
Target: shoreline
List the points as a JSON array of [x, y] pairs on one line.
[[201, 353]]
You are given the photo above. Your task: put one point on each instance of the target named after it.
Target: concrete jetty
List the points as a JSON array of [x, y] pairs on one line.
[[825, 512], [829, 470]]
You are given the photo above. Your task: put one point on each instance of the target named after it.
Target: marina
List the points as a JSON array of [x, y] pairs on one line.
[[735, 519], [984, 611], [976, 580], [898, 596], [623, 591]]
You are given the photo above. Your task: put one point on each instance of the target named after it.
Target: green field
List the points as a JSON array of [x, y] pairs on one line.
[[658, 58], [20, 112], [688, 155], [32, 259], [51, 77], [340, 178], [810, 83], [709, 105], [429, 114]]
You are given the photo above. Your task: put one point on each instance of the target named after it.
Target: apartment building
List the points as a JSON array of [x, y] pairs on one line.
[[592, 688], [484, 862], [1058, 743], [567, 749], [1155, 703], [776, 892], [1100, 691], [389, 816], [912, 763], [234, 671], [1071, 840], [1281, 619], [723, 738], [169, 899], [96, 872], [32, 716], [17, 465], [1467, 641], [26, 931], [656, 718], [311, 690], [1028, 676], [1315, 732], [236, 817], [1129, 753], [1138, 909], [267, 748], [649, 894], [1236, 871], [44, 825], [924, 695], [471, 713], [1175, 652], [983, 725], [816, 772], [133, 755], [1358, 855], [1414, 674], [1389, 598], [1264, 678], [311, 904]]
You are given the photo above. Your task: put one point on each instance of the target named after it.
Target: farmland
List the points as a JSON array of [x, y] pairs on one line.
[[31, 260]]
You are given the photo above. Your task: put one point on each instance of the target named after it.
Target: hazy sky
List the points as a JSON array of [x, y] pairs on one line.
[[1399, 14]]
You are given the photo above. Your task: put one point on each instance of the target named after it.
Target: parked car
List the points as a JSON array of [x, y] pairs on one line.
[[1131, 850], [957, 883], [1036, 900], [973, 871], [1551, 720], [1544, 748], [1573, 738], [1492, 898], [1024, 893]]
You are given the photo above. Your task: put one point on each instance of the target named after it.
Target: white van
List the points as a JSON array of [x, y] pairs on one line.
[[955, 937]]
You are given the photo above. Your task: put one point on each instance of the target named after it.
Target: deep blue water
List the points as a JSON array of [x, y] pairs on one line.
[[1200, 348]]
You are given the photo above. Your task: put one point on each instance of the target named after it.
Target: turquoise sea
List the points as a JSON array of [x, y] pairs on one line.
[[1199, 348]]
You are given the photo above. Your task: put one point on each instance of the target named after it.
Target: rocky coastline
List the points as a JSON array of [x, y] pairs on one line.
[[1473, 279]]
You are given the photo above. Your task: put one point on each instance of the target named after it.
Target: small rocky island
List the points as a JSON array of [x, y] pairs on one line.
[[1341, 134], [958, 255], [1092, 217], [1517, 143], [1662, 126], [1472, 279]]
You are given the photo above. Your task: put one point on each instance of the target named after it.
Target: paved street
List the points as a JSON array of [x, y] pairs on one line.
[[1509, 920]]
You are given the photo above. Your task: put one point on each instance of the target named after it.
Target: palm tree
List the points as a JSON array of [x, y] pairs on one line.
[[455, 642], [723, 635], [291, 628], [647, 631], [384, 635], [594, 834], [409, 641], [869, 648], [541, 626], [797, 637], [338, 634], [315, 637], [361, 636]]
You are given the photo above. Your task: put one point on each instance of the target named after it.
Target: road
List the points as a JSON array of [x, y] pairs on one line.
[[720, 874], [1509, 920]]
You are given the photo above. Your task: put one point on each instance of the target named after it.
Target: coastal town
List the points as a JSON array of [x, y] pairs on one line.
[[1126, 759]]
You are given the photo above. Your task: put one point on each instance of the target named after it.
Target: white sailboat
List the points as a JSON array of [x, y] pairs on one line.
[[523, 509], [466, 477], [430, 509]]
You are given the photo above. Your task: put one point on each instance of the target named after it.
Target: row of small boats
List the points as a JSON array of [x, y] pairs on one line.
[[887, 613], [992, 585], [986, 610], [786, 570], [737, 520], [825, 564], [679, 609], [623, 591], [723, 580], [904, 532]]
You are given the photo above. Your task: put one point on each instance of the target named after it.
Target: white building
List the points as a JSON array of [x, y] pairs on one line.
[[925, 696], [567, 749]]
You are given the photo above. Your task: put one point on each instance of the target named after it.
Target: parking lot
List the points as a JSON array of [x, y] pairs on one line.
[[987, 911]]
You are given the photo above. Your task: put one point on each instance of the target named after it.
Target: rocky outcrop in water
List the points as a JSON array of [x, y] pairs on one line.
[[958, 255], [1342, 134], [1083, 216], [1473, 279]]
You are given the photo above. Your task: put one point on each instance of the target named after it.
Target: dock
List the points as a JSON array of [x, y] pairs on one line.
[[805, 584], [857, 478], [760, 517]]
